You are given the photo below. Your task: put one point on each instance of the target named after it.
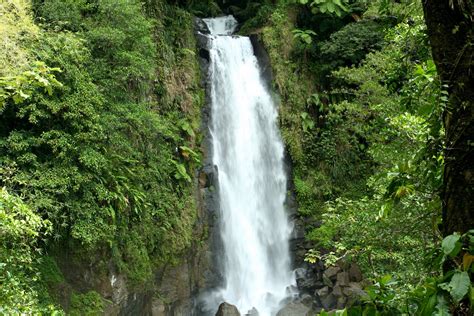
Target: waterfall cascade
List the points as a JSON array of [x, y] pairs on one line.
[[248, 153]]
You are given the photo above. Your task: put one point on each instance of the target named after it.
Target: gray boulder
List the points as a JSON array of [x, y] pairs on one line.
[[295, 309], [355, 274], [343, 278], [226, 309], [331, 272], [329, 302]]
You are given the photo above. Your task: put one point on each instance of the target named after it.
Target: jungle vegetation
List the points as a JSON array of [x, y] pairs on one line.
[[100, 104]]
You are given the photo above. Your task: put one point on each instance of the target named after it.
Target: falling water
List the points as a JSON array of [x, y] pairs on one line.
[[248, 153]]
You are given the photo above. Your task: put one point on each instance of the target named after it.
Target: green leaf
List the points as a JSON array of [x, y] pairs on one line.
[[442, 308], [458, 286], [428, 306], [451, 245], [471, 296], [385, 279]]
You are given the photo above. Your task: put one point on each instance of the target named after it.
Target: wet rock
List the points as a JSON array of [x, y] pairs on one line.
[[226, 309], [252, 312], [306, 299], [300, 273], [202, 41], [263, 59], [305, 280], [204, 53], [201, 26], [208, 176], [295, 309]]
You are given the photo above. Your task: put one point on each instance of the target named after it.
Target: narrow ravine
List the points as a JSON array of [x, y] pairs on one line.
[[248, 153]]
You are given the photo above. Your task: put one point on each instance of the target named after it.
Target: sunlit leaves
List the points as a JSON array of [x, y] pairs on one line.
[[20, 88]]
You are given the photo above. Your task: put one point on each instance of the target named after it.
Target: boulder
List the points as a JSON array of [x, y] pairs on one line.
[[341, 302], [355, 274], [306, 299], [201, 26], [331, 272], [329, 302], [305, 279], [327, 281], [205, 54], [354, 290], [226, 309], [337, 290], [343, 278], [323, 292], [295, 309], [318, 285]]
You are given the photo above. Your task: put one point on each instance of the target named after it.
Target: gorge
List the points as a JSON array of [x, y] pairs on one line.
[[236, 157]]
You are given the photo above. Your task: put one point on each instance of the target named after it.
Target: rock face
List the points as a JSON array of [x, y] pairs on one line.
[[226, 309]]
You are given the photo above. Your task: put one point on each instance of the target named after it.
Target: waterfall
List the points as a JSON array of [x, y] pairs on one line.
[[248, 153]]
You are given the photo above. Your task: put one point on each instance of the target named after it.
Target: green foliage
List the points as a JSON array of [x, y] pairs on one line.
[[335, 7], [207, 8], [364, 138], [459, 285], [278, 40], [451, 292], [63, 14], [254, 16], [350, 44], [376, 301], [304, 36], [89, 303], [21, 233], [451, 245], [50, 272], [21, 87], [96, 129]]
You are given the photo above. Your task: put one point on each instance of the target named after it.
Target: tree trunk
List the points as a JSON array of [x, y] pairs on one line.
[[451, 33]]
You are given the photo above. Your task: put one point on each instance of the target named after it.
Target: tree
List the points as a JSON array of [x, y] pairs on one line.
[[451, 33]]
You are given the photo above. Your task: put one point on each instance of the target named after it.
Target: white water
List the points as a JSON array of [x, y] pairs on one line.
[[248, 152]]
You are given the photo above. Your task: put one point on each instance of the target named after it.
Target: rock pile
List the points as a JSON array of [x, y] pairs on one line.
[[330, 288]]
